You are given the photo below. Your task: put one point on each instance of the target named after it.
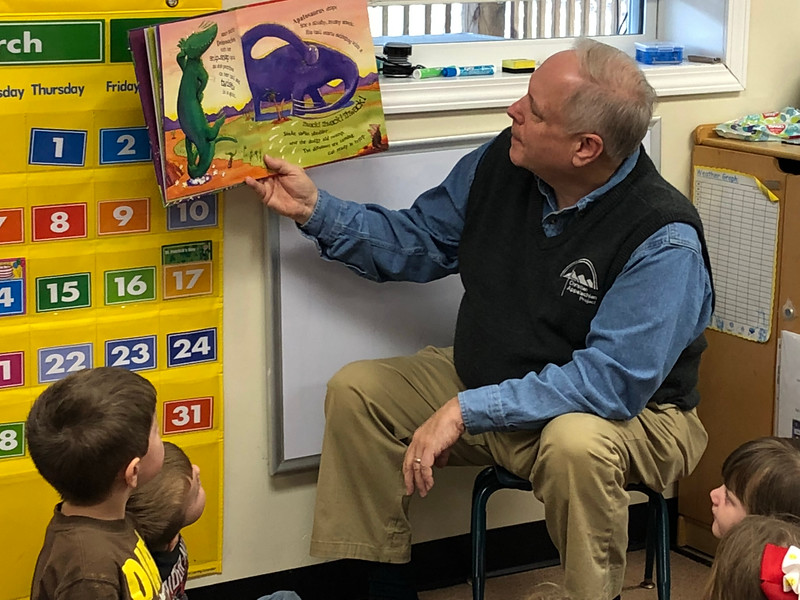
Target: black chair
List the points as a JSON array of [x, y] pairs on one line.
[[496, 478]]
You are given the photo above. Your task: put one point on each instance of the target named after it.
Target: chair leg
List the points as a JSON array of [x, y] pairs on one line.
[[485, 485], [657, 544], [650, 545], [662, 550]]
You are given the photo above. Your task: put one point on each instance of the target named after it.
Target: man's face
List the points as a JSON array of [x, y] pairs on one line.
[[727, 510], [539, 141]]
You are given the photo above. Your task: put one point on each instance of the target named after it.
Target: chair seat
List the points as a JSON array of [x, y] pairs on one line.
[[494, 478]]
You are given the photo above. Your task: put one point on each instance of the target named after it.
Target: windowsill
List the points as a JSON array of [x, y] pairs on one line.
[[406, 95]]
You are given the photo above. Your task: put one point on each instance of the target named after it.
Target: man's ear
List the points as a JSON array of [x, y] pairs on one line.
[[589, 148], [131, 473]]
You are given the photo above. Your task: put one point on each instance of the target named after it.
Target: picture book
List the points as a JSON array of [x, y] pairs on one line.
[[295, 79]]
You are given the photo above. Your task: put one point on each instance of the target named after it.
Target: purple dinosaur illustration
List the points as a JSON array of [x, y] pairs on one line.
[[296, 72]]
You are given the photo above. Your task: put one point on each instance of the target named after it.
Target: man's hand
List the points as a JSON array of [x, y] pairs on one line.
[[430, 445], [289, 192]]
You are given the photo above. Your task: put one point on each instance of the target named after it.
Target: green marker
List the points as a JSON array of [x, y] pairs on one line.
[[422, 73]]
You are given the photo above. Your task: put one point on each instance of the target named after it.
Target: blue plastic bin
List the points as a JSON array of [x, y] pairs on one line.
[[659, 53]]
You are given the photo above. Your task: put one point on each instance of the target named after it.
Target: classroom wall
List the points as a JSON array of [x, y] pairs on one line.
[[268, 519]]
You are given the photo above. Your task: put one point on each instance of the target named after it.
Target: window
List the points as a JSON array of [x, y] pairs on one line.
[[512, 19], [710, 27]]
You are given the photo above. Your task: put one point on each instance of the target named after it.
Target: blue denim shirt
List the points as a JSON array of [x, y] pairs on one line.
[[659, 303]]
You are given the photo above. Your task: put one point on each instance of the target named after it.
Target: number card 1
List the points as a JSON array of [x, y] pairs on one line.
[[12, 440], [195, 414], [58, 147]]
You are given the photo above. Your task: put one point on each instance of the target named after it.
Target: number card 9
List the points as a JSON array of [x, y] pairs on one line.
[[123, 216]]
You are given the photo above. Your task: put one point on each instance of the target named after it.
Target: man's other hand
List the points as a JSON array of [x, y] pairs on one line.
[[431, 445], [289, 192]]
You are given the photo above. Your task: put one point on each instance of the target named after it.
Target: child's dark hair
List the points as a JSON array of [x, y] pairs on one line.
[[84, 429], [736, 572], [158, 507], [764, 474]]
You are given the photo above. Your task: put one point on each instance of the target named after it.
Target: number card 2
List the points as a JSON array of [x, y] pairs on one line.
[[124, 145], [123, 216], [59, 222], [191, 347], [134, 354], [195, 414], [12, 440], [12, 230], [59, 361]]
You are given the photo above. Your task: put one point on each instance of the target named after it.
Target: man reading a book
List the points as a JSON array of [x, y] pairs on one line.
[[574, 365]]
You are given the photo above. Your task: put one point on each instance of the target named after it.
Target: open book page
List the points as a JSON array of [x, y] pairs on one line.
[[295, 79]]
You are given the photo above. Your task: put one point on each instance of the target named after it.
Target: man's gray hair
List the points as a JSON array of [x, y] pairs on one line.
[[616, 101]]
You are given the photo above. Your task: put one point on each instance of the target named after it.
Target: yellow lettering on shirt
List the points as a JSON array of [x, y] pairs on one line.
[[141, 573]]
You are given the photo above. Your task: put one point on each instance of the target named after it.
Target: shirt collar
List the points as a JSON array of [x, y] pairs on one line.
[[551, 206]]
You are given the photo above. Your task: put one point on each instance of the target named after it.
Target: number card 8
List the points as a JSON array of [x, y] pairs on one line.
[[12, 440]]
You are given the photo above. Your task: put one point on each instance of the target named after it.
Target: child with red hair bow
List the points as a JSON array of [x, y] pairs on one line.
[[758, 559]]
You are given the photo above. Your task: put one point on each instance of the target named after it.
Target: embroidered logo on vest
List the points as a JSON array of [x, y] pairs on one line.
[[580, 279]]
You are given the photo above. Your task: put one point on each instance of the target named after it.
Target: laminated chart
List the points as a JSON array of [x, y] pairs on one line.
[[93, 270], [740, 218]]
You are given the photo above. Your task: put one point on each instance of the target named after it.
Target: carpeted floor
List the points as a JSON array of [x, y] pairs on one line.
[[688, 580]]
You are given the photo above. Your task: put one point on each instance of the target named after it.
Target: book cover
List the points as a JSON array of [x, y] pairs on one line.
[[296, 79]]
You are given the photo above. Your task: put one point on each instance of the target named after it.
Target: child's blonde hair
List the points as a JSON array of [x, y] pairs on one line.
[[158, 507], [736, 572]]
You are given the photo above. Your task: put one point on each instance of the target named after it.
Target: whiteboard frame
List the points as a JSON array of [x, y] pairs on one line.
[[278, 462]]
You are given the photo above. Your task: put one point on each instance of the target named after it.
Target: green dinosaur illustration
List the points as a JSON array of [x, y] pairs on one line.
[[201, 138]]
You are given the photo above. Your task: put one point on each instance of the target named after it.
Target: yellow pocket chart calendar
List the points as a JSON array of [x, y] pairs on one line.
[[93, 270]]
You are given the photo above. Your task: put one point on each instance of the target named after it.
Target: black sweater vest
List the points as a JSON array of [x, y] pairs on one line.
[[529, 300]]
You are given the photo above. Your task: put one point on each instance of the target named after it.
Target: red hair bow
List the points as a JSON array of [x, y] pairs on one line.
[[780, 572]]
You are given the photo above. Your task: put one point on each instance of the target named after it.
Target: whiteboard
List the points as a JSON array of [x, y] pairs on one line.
[[324, 316]]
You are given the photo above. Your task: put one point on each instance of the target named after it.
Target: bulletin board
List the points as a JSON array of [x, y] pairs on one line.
[[93, 270]]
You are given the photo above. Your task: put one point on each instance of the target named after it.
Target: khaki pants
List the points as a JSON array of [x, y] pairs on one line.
[[578, 465]]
